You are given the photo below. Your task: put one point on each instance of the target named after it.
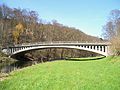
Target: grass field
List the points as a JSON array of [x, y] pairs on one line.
[[102, 74]]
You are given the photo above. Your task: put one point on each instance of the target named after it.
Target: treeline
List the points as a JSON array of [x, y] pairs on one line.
[[19, 26], [24, 26]]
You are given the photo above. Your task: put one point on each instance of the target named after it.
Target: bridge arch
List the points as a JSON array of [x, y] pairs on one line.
[[26, 49]]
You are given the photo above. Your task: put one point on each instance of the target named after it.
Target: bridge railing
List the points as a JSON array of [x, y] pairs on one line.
[[60, 42]]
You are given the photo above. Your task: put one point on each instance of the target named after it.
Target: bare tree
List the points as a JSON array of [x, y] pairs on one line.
[[112, 31]]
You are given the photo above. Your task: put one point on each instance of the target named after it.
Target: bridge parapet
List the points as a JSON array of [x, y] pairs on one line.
[[63, 42]]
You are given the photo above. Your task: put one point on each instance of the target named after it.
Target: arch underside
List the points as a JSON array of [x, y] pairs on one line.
[[68, 47]]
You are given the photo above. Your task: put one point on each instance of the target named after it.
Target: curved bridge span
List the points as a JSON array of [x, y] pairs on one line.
[[100, 48]]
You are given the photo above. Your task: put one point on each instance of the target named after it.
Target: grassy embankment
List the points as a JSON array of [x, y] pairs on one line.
[[102, 74]]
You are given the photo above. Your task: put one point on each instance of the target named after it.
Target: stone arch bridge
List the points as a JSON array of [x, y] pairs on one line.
[[100, 48]]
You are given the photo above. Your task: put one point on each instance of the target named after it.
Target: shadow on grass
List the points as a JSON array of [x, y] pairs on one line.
[[85, 59]]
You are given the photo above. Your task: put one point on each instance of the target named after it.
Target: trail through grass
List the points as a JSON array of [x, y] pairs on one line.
[[102, 74]]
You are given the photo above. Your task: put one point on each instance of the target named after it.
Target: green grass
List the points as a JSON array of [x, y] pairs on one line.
[[102, 74], [86, 58]]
